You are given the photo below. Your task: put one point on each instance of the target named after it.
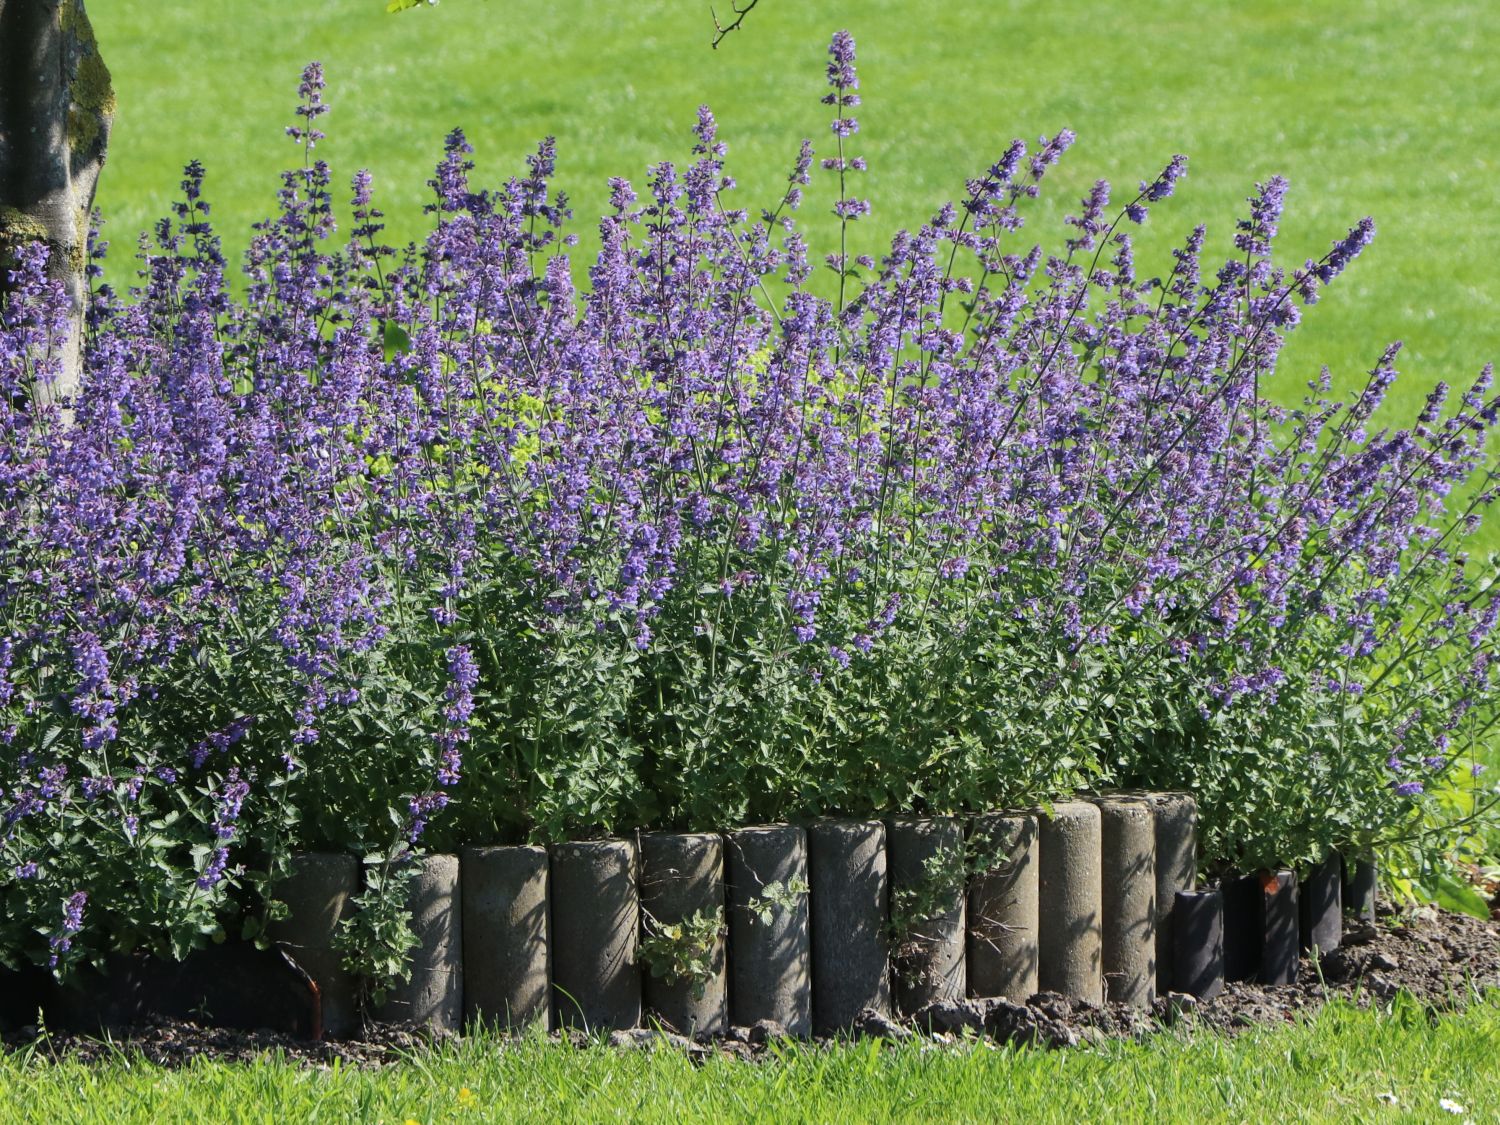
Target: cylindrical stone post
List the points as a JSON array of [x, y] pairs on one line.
[[1360, 881], [927, 910], [1176, 870], [1198, 940], [1003, 921], [434, 995], [1243, 927], [1279, 928], [317, 891], [770, 948], [596, 924], [1322, 907], [1128, 874], [507, 939], [682, 881], [1071, 901], [847, 866]]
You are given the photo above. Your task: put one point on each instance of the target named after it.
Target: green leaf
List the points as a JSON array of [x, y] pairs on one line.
[[1454, 894], [397, 341]]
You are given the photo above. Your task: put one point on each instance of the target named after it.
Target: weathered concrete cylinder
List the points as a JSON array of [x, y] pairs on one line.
[[1071, 902], [1279, 928], [507, 938], [770, 962], [318, 890], [1176, 870], [926, 860], [847, 867], [1360, 882], [434, 995], [1322, 908], [682, 880], [1128, 874], [596, 924], [1002, 916], [1198, 938], [1243, 924]]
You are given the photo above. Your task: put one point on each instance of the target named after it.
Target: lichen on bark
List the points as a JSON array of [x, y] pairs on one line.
[[93, 92]]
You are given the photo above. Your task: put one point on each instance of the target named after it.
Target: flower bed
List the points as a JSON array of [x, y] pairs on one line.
[[397, 552]]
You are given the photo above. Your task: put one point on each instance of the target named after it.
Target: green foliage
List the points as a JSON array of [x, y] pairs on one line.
[[777, 897], [685, 951], [377, 939]]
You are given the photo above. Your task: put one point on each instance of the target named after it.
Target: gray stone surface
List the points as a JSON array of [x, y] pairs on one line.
[[770, 963], [1279, 928], [1128, 874], [1199, 944], [1243, 926], [682, 876], [595, 930], [435, 994], [1002, 915], [318, 890], [1360, 883], [1071, 902], [847, 869], [1176, 870], [507, 939], [926, 861], [1321, 904]]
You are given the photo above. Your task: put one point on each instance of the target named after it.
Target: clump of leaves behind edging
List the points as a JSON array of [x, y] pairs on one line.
[[407, 549]]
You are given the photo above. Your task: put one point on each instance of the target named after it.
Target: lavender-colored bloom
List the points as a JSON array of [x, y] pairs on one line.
[[72, 923], [1164, 184]]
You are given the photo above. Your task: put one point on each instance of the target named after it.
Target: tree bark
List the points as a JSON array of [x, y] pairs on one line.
[[56, 107]]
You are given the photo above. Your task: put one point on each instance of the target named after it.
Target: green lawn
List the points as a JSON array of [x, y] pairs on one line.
[[1381, 107], [1335, 1068]]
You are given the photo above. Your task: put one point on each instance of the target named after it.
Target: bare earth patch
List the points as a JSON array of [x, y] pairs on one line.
[[1441, 959]]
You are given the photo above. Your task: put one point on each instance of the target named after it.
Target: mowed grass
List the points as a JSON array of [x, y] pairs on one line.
[[1379, 107], [1345, 1065]]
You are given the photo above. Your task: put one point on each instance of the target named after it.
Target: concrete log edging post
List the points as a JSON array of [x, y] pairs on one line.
[[850, 895], [1279, 927], [1322, 908], [1198, 943], [1242, 936], [927, 885], [1361, 879], [1070, 902], [318, 891], [682, 883], [595, 931], [1003, 913], [1128, 899], [507, 937], [434, 996], [770, 958], [1176, 870]]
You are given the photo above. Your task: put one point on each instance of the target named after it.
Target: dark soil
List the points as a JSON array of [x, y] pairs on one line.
[[1441, 959]]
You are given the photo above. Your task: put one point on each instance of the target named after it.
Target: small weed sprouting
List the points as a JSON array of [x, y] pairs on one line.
[[776, 898], [685, 951]]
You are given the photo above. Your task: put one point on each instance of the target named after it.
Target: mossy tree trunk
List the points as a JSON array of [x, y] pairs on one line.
[[56, 106]]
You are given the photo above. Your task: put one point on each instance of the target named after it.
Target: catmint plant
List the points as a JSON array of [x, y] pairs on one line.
[[386, 550]]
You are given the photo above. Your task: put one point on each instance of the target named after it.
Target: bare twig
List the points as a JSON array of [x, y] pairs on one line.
[[723, 29]]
